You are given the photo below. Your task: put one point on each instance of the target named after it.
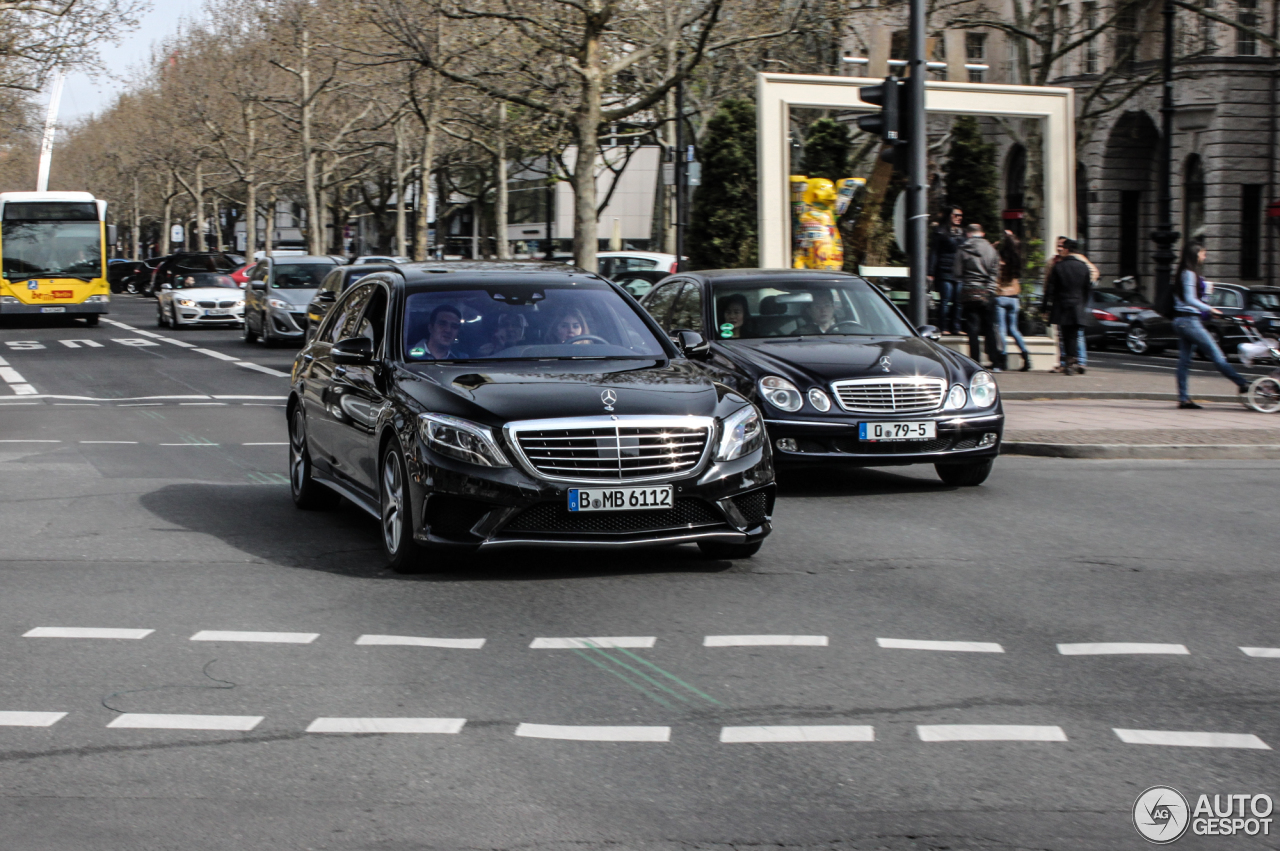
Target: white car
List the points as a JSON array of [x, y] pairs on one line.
[[202, 298], [613, 263], [379, 258]]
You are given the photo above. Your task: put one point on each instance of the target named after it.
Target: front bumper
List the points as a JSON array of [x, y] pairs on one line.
[[960, 439], [461, 505], [203, 316], [82, 309], [287, 323]]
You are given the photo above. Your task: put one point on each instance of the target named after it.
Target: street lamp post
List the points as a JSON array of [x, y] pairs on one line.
[[1165, 237], [917, 168]]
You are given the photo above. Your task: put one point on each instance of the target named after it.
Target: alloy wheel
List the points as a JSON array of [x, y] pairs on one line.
[[298, 452], [392, 501], [1137, 340]]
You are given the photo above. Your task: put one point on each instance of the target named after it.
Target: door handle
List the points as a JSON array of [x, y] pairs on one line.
[[340, 371]]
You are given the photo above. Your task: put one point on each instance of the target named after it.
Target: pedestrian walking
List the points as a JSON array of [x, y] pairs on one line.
[[1082, 351], [977, 267], [1190, 311], [1009, 302], [1066, 299], [944, 242]]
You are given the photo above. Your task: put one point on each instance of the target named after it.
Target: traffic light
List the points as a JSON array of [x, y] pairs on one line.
[[893, 122]]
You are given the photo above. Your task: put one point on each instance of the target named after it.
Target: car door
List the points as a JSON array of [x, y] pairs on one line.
[[321, 394], [694, 311], [1231, 302], [359, 392], [255, 297], [660, 300]]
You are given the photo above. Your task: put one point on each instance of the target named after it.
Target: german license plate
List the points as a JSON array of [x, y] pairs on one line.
[[921, 430], [53, 310], [219, 311], [619, 499]]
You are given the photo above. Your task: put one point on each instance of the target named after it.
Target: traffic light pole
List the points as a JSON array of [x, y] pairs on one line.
[[917, 171]]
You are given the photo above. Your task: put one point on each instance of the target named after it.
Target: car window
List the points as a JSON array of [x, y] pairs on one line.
[[1224, 298], [343, 314], [373, 323], [607, 266], [687, 313], [199, 280], [790, 308], [355, 307], [351, 276], [635, 264], [299, 276], [332, 283], [1264, 301], [659, 302]]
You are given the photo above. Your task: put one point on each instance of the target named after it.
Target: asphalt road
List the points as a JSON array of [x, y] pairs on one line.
[[143, 490]]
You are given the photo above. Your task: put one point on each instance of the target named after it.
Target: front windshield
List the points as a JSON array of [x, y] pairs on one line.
[[201, 280], [783, 308], [52, 249], [299, 276], [511, 321]]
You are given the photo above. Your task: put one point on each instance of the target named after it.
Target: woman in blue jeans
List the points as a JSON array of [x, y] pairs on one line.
[[1190, 311], [1008, 303]]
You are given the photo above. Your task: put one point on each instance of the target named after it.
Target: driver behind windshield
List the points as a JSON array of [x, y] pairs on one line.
[[821, 313], [568, 325], [509, 332], [733, 316], [442, 332]]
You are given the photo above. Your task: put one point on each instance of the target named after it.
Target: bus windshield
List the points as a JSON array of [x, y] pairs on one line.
[[36, 249]]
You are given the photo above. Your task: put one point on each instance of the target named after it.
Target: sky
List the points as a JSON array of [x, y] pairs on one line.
[[84, 96]]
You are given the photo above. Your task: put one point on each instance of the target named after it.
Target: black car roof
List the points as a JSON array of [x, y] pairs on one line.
[[748, 274], [419, 275]]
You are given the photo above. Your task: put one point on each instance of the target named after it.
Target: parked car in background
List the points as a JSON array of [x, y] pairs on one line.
[[1152, 333], [241, 275], [1112, 313], [202, 298], [189, 263], [613, 263], [639, 282], [380, 259], [587, 429], [280, 288], [840, 375], [125, 276], [332, 287]]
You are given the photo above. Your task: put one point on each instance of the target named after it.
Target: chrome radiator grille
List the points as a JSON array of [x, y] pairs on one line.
[[890, 395], [605, 450]]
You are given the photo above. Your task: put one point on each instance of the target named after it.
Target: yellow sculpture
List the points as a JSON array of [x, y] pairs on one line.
[[816, 204]]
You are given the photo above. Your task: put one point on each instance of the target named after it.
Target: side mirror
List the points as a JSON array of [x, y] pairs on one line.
[[326, 296], [353, 351], [693, 345], [258, 285], [111, 234], [930, 332], [165, 287]]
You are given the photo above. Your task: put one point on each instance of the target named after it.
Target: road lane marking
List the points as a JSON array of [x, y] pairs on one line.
[[183, 343], [283, 443], [11, 375], [812, 733], [128, 442], [30, 719], [257, 367], [75, 344], [1262, 652], [952, 646], [190, 444], [765, 641], [203, 404], [1247, 741], [255, 398], [219, 355], [16, 440], [24, 345], [85, 632], [386, 725], [1120, 648], [134, 342], [141, 721], [989, 733], [275, 637], [415, 641], [588, 643], [23, 390], [3, 362], [129, 328], [595, 734]]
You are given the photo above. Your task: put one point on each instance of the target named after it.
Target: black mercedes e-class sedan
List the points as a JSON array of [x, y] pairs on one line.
[[474, 409], [839, 374]]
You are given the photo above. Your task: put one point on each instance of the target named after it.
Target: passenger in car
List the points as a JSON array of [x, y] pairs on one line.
[[510, 331], [734, 313], [821, 314], [442, 333], [568, 324]]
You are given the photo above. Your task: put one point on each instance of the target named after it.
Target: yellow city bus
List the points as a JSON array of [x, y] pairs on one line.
[[52, 254]]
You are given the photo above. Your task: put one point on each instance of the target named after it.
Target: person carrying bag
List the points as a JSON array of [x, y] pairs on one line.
[[977, 267]]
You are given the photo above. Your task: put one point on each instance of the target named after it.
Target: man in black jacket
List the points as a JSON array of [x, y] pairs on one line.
[[944, 242], [1066, 300]]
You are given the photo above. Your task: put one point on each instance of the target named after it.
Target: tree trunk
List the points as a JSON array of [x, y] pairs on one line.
[[137, 222], [198, 199], [585, 226], [1033, 132], [168, 217], [402, 225], [423, 248], [315, 227], [500, 203], [272, 207], [251, 185]]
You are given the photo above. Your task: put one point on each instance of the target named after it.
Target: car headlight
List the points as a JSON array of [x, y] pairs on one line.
[[239, 303], [983, 389], [780, 393], [956, 399], [185, 302], [279, 303], [461, 439], [743, 434], [819, 400]]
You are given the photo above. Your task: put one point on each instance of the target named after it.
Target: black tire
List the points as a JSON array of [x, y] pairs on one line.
[[91, 320], [965, 475], [250, 336], [1138, 341], [160, 318], [308, 494], [173, 318], [720, 551], [267, 340], [395, 505]]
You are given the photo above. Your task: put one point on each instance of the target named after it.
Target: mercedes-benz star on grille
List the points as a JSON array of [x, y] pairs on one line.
[[889, 395]]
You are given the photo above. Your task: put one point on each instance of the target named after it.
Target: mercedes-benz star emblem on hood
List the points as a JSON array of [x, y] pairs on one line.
[[608, 397], [884, 363]]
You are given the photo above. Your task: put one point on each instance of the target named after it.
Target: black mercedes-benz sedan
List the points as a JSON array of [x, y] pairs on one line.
[[839, 373], [479, 409]]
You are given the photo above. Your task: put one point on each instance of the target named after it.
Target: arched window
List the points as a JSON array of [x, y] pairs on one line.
[[1015, 178], [1193, 199], [1082, 206]]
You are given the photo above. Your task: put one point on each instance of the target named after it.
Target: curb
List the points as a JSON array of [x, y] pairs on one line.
[[1159, 451], [1032, 395]]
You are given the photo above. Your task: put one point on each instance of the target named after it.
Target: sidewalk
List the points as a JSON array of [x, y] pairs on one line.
[[1109, 413]]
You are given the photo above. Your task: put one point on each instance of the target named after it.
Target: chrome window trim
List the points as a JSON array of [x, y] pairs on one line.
[[511, 431], [923, 380]]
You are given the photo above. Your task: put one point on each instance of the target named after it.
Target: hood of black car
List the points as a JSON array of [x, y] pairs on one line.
[[499, 393], [823, 360]]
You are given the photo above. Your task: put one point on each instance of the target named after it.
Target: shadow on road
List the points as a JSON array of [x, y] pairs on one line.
[[839, 481], [263, 522]]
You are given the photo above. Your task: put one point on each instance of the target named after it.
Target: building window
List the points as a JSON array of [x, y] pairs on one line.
[[1082, 206], [975, 51], [1246, 43], [1208, 33], [1193, 200], [1251, 230], [1127, 39], [1130, 231], [1091, 46]]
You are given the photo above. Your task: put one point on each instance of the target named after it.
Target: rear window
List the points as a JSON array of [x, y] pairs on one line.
[[299, 276], [1265, 301]]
